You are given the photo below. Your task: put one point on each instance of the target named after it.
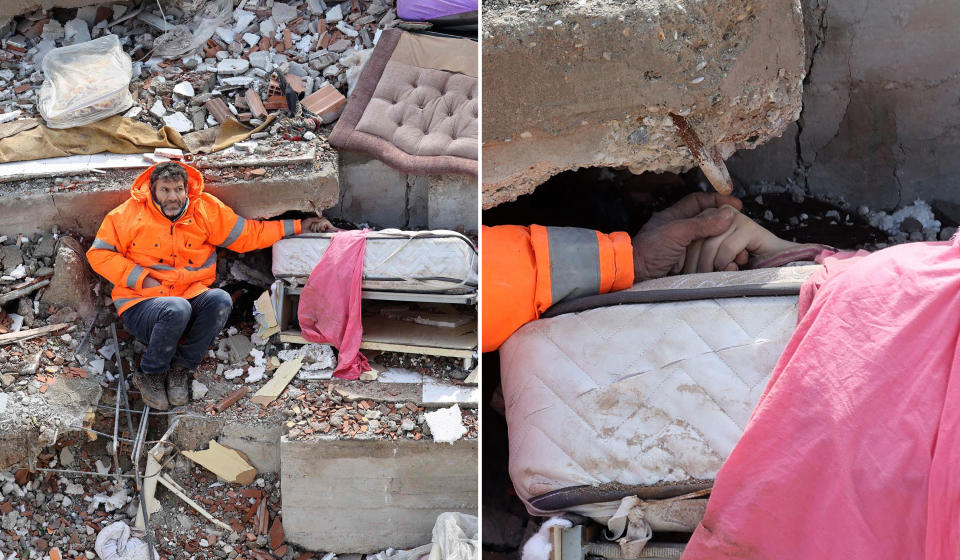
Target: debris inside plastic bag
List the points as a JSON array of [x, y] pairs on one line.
[[116, 543], [182, 39], [85, 83]]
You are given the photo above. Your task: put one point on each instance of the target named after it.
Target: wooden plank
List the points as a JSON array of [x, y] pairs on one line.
[[17, 294], [391, 331], [31, 333], [284, 374], [294, 337]]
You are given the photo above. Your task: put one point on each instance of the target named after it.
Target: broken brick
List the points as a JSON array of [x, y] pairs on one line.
[[327, 103], [218, 108], [277, 538]]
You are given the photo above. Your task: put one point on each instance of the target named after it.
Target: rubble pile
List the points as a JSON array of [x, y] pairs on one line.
[[197, 63], [44, 512], [314, 404]]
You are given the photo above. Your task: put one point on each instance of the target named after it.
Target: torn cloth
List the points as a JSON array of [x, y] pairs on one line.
[[329, 310], [852, 450], [118, 135]]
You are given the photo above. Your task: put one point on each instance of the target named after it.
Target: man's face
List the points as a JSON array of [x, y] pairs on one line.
[[171, 195]]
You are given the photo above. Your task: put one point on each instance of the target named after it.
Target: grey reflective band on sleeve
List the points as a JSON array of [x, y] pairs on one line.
[[120, 302], [206, 264], [234, 233], [134, 274], [161, 267], [574, 263], [101, 244], [288, 228]]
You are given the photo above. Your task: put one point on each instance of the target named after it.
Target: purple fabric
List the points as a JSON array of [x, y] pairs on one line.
[[425, 10]]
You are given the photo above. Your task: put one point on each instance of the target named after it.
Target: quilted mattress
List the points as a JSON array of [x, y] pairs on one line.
[[640, 399], [410, 261]]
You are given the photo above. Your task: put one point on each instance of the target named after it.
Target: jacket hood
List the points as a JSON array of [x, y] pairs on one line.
[[140, 190]]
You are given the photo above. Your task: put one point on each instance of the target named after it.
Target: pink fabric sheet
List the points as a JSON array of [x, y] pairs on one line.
[[853, 451], [329, 310]]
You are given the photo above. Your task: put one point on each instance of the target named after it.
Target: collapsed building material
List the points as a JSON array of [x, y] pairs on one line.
[[10, 338], [281, 378], [226, 463], [733, 70]]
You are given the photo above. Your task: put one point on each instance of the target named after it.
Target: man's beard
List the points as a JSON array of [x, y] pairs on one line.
[[176, 210]]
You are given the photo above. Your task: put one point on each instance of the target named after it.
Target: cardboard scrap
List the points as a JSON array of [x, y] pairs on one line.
[[285, 373], [267, 324], [224, 462]]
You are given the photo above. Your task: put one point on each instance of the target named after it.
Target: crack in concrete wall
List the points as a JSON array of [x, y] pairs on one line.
[[880, 123]]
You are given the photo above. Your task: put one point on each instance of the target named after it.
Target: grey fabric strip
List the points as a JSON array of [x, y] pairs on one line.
[[574, 263], [134, 274], [161, 267], [101, 244], [120, 302], [206, 264], [235, 232], [288, 228]]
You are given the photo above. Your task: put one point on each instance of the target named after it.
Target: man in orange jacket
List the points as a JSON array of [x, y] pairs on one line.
[[159, 250]]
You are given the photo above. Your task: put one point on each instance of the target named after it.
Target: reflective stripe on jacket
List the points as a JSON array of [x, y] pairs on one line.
[[528, 269], [136, 238]]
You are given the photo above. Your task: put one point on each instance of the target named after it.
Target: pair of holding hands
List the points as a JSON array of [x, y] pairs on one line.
[[703, 232]]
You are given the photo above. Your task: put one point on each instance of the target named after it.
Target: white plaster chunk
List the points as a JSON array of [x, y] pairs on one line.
[[446, 424], [179, 122]]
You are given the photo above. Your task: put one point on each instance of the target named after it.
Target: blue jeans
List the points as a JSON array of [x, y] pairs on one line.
[[161, 322]]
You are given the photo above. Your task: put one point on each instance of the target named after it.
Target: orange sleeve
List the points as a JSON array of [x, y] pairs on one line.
[[227, 229], [106, 257], [528, 269]]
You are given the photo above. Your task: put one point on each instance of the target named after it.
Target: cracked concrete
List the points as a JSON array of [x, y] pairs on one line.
[[592, 83], [880, 124]]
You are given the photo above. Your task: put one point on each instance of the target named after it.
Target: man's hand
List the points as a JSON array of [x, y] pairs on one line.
[[661, 245], [318, 225], [729, 250], [150, 282]]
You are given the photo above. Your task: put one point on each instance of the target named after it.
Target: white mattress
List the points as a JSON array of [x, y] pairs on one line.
[[640, 394], [411, 261]]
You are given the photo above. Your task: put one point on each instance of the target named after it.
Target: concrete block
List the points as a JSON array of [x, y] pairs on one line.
[[373, 192], [578, 84], [452, 202], [259, 441], [194, 431], [365, 496]]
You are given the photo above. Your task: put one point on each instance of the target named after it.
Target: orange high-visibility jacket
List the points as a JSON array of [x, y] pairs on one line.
[[136, 239], [528, 269]]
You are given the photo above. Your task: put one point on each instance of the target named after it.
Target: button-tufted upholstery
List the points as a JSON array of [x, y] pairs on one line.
[[416, 119], [424, 112]]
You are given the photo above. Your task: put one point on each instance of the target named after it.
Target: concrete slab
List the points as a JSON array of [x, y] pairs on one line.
[[592, 83], [365, 496], [31, 422], [31, 210], [452, 202]]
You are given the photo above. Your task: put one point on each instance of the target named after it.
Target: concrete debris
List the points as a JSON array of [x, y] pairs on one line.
[[199, 390], [237, 48], [446, 424]]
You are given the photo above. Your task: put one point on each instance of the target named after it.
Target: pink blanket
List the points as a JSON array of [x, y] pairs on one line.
[[329, 310], [853, 451]]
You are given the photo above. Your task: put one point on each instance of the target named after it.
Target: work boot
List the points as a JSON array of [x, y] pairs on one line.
[[153, 389], [178, 386]]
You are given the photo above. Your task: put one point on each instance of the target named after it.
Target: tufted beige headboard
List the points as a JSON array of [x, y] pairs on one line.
[[415, 105]]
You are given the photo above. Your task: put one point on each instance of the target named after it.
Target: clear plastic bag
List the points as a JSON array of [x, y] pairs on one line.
[[86, 82]]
